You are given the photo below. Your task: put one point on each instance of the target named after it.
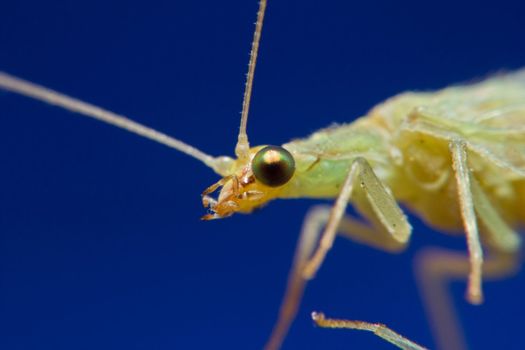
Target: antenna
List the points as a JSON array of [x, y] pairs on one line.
[[243, 146], [40, 93]]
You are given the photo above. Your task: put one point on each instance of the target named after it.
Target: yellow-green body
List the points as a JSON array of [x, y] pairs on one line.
[[406, 138], [442, 154]]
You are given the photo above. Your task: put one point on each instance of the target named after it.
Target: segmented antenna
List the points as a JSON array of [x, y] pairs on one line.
[[26, 88], [243, 146]]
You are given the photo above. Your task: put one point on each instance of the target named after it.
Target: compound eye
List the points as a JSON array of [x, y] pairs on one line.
[[273, 166]]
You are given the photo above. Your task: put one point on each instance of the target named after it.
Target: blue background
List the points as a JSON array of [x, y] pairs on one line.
[[101, 246]]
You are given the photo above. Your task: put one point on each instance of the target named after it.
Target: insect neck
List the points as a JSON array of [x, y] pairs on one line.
[[324, 158]]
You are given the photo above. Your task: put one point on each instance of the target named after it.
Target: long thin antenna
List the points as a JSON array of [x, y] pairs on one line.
[[243, 146], [26, 88]]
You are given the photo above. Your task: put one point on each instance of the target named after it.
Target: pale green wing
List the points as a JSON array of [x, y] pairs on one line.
[[490, 115]]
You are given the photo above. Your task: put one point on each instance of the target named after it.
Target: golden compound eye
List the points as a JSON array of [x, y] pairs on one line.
[[273, 166]]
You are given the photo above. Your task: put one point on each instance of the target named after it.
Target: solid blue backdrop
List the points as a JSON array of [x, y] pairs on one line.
[[101, 246]]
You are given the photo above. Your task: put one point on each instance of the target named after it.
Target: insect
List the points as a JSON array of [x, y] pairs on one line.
[[251, 124]]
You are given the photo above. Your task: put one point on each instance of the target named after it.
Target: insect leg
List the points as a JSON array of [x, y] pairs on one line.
[[434, 269], [459, 163], [378, 329], [308, 258], [383, 204], [498, 234]]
